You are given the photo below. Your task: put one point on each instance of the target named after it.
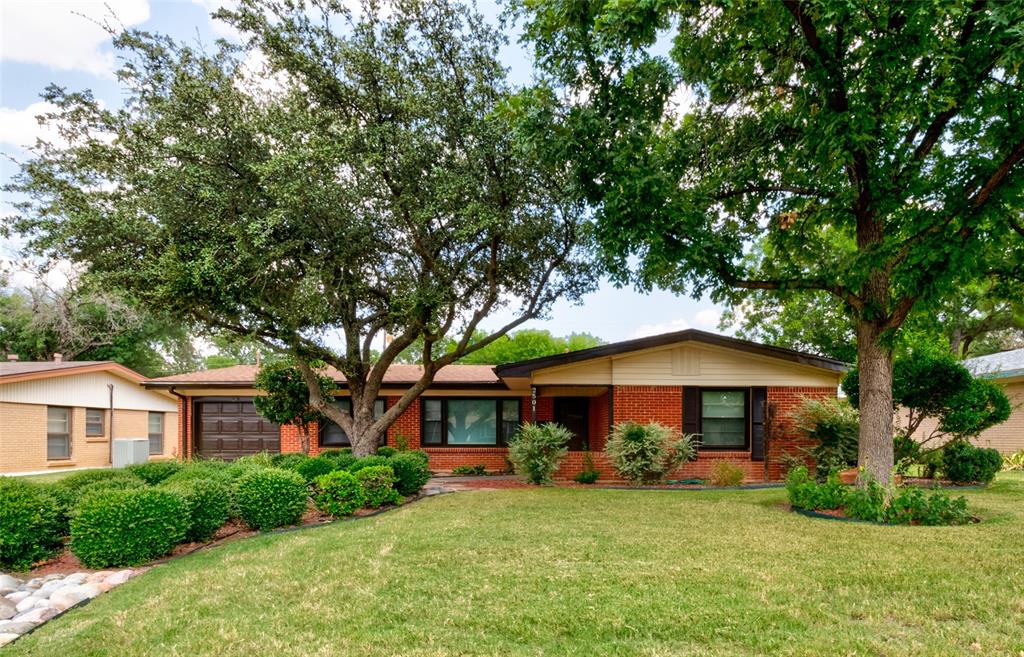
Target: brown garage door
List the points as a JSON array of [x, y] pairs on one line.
[[230, 427]]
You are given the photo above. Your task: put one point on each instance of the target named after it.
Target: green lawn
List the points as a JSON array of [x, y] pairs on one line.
[[579, 572]]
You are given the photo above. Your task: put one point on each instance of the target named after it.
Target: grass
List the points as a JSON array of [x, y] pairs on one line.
[[579, 572], [49, 477]]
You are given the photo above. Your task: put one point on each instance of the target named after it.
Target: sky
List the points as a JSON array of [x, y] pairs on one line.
[[63, 42]]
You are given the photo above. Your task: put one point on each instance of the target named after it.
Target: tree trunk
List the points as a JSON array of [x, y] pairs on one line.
[[875, 453], [304, 439], [362, 437]]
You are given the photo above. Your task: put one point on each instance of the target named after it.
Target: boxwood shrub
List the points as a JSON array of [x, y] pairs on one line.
[[154, 472], [29, 524], [209, 503], [270, 497], [339, 493], [386, 452], [198, 470], [127, 527], [963, 463], [312, 468], [288, 461], [341, 459], [411, 472], [367, 462], [68, 491], [379, 484]]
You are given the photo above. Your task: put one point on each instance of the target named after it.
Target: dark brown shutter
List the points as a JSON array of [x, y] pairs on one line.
[[691, 409], [758, 400]]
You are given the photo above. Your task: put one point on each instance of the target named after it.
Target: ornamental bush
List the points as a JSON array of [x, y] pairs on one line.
[[288, 461], [341, 459], [805, 493], [371, 461], [127, 527], [725, 474], [200, 470], [154, 472], [411, 473], [108, 484], [834, 425], [68, 491], [477, 470], [29, 524], [312, 468], [378, 483], [912, 506], [339, 493], [963, 463], [386, 452], [537, 449], [270, 497], [209, 503], [647, 453]]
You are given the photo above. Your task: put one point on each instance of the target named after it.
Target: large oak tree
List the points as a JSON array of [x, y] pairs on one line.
[[339, 173], [874, 149]]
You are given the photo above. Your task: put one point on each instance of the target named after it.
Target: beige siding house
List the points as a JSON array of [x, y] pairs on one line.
[[61, 415], [1007, 369]]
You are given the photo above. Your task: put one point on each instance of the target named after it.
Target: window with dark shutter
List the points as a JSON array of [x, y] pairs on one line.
[[758, 402]]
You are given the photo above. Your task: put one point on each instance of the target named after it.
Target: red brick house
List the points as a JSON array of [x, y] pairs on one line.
[[737, 394]]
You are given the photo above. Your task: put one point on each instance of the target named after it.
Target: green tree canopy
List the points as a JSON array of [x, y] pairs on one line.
[[871, 151], [518, 345], [288, 400], [362, 181], [933, 385]]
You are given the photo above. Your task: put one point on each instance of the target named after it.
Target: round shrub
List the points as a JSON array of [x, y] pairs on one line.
[[342, 460], [339, 493], [270, 497], [208, 502], [154, 472], [109, 484], [411, 473], [379, 484], [288, 461], [198, 470], [29, 524], [260, 459], [371, 461], [386, 452], [310, 469], [537, 449], [647, 453], [963, 463], [127, 527], [68, 491]]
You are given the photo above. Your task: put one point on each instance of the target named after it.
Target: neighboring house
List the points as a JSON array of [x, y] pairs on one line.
[[58, 415], [1006, 369], [695, 382]]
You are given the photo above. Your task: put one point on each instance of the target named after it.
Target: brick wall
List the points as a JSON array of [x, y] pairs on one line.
[[663, 404], [598, 421], [291, 439], [783, 437]]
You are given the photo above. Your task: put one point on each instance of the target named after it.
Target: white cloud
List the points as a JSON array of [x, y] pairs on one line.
[[708, 318], [645, 330], [65, 35], [19, 128], [220, 28]]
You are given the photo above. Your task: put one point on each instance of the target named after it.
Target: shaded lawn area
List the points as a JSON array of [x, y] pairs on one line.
[[579, 572]]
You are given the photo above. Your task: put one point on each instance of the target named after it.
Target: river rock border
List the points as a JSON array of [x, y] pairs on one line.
[[25, 605]]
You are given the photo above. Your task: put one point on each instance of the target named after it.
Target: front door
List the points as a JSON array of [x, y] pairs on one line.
[[572, 413]]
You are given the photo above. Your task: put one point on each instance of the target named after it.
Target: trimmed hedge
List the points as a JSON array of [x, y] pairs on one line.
[[68, 491], [310, 469], [128, 527], [270, 497], [411, 472], [339, 494], [371, 461], [154, 472], [386, 452], [342, 460], [109, 484], [208, 501], [288, 461], [379, 484], [29, 524]]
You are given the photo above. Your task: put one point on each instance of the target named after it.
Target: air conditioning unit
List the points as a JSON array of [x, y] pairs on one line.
[[129, 451]]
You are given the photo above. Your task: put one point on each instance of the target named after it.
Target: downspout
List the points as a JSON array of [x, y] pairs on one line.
[[183, 421], [110, 425]]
